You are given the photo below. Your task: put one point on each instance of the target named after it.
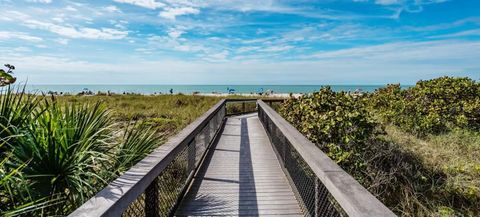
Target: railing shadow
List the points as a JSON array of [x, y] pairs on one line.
[[205, 204]]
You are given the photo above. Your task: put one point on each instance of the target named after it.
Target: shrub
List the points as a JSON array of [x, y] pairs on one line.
[[431, 107], [338, 122], [342, 126]]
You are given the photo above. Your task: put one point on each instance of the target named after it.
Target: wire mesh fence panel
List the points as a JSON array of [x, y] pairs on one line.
[[160, 198], [325, 204], [162, 194], [201, 143], [314, 198], [240, 107], [302, 178], [136, 208]]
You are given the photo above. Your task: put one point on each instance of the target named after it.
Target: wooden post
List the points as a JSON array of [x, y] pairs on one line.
[[285, 149], [317, 197], [243, 107]]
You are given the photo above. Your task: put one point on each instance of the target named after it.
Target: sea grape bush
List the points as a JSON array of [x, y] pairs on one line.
[[340, 124], [337, 121], [432, 106], [387, 100], [346, 127]]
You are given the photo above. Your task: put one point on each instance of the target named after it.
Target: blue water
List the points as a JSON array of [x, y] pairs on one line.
[[187, 89]]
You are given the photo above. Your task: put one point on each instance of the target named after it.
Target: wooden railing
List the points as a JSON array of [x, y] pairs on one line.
[[320, 185], [154, 185]]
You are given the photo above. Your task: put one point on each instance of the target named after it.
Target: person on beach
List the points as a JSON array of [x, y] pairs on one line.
[[171, 90]]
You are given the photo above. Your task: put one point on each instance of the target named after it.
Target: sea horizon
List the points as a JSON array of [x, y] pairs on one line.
[[195, 88]]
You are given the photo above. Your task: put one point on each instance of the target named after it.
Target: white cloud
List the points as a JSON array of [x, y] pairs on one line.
[[150, 4], [22, 49], [58, 19], [472, 32], [175, 33], [40, 1], [406, 2], [70, 8], [62, 41], [404, 62], [176, 44], [247, 49], [410, 6], [73, 32], [387, 2], [217, 57], [411, 52], [277, 48], [111, 9], [172, 13], [19, 35]]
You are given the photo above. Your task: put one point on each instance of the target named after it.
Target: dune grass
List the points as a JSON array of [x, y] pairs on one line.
[[454, 154], [168, 114]]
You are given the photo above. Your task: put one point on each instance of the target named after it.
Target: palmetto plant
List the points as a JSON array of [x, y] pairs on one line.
[[65, 147], [16, 111], [59, 155], [137, 142]]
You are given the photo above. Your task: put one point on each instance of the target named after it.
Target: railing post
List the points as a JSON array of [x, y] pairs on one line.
[[317, 197], [152, 200], [284, 150], [244, 109]]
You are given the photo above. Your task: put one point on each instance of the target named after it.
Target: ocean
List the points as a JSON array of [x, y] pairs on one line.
[[188, 89]]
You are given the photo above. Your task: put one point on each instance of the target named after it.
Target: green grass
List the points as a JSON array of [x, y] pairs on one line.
[[454, 154]]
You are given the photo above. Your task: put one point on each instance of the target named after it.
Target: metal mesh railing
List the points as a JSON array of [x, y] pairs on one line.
[[314, 199], [321, 187], [163, 194], [241, 106], [155, 185]]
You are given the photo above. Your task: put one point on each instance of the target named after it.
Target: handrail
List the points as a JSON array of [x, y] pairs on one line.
[[352, 197], [243, 109], [121, 193]]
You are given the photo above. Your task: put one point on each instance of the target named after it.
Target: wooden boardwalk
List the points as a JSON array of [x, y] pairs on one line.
[[241, 176]]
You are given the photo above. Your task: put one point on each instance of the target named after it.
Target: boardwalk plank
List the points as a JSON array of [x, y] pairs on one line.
[[241, 177]]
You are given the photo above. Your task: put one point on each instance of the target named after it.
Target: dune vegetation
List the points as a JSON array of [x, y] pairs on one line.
[[416, 149], [57, 152]]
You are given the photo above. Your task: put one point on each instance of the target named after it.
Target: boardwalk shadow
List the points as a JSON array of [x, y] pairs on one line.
[[245, 203], [246, 181]]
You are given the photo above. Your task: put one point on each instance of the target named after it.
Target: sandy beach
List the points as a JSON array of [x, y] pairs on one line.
[[274, 95]]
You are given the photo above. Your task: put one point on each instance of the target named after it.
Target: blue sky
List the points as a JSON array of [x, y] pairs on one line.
[[239, 41]]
